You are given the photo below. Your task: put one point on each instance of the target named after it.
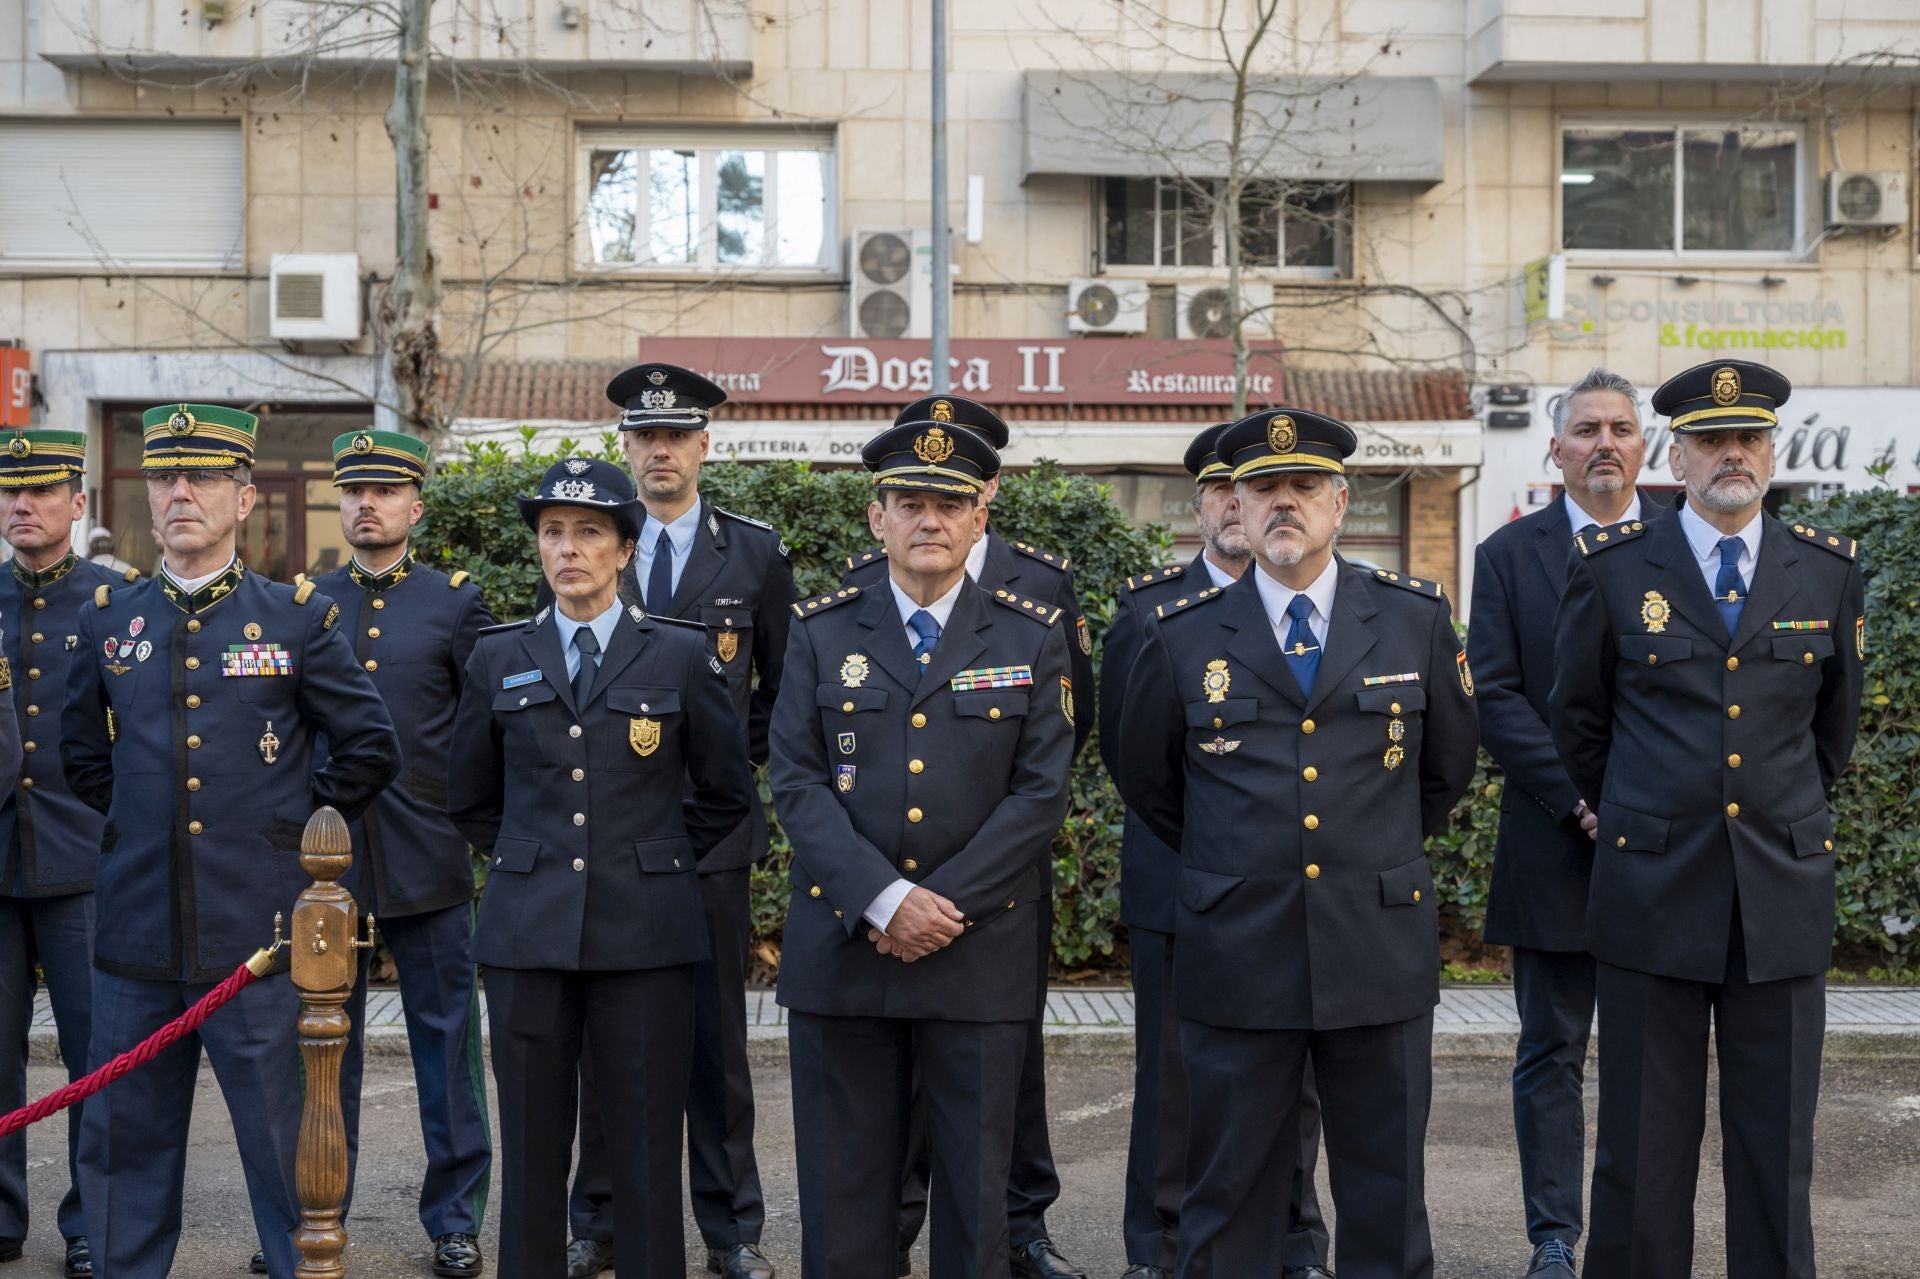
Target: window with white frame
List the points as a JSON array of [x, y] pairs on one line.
[[155, 194], [716, 200], [1181, 222], [1683, 189]]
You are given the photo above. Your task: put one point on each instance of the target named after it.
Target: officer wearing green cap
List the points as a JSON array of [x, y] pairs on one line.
[[195, 702], [412, 628], [51, 841]]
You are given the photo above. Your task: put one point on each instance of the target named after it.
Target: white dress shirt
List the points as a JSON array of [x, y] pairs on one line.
[[1276, 595], [976, 560], [192, 584], [1704, 538], [1582, 519], [879, 911], [602, 627], [679, 537], [1221, 578]]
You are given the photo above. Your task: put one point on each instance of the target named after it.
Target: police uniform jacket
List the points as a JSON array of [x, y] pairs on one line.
[[1305, 900], [51, 839], [885, 770], [1028, 573], [196, 737], [738, 585], [1149, 870], [591, 849], [413, 636], [1708, 760]]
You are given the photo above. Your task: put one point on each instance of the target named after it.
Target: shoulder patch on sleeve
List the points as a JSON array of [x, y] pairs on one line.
[[1418, 585], [821, 603], [867, 557], [744, 519], [101, 594], [304, 591], [1155, 575], [1045, 557], [460, 578], [1612, 535], [131, 575], [1039, 610], [333, 615], [1832, 543], [1186, 602]]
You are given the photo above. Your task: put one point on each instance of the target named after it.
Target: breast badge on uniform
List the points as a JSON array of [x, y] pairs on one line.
[[644, 736], [1466, 672], [143, 650], [251, 630], [1217, 680], [854, 670], [843, 777], [1654, 612], [727, 644], [139, 624], [1396, 733], [1220, 746], [847, 744], [269, 746]]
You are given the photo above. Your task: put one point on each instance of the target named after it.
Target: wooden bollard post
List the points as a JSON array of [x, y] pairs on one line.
[[324, 939]]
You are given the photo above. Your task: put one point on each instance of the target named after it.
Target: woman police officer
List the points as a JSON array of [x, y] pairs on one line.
[[591, 919]]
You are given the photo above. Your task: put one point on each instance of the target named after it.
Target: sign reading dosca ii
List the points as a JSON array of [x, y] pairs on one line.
[[888, 372]]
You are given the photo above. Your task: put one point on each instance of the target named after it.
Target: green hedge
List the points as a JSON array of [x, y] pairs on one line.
[[472, 523]]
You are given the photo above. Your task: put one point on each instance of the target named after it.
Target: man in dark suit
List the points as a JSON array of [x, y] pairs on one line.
[[921, 781], [1149, 887], [1705, 699], [50, 839], [729, 574], [1296, 736], [413, 628], [1045, 577], [1544, 852]]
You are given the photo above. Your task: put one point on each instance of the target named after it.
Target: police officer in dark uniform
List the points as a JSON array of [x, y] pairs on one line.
[[729, 574], [413, 627], [51, 840], [596, 760], [1030, 573], [194, 701], [1706, 695], [921, 782], [1296, 736], [1149, 887]]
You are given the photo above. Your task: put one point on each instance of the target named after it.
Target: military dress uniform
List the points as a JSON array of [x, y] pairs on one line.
[[1706, 727], [412, 628], [591, 921], [1045, 577], [51, 839], [734, 580], [1299, 799], [1149, 888], [191, 721], [950, 775]]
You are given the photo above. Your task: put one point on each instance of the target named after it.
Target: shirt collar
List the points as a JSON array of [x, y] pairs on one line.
[[1704, 538], [367, 579], [679, 533], [1580, 517], [1221, 577], [1276, 595], [941, 608], [976, 560], [198, 594], [602, 626]]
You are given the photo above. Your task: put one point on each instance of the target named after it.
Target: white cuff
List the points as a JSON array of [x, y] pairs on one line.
[[879, 911]]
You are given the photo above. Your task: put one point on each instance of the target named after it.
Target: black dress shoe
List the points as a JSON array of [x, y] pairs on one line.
[[1145, 1272], [1551, 1260], [742, 1261], [587, 1258], [258, 1265], [10, 1249], [1307, 1272], [906, 1265], [79, 1258], [1041, 1260], [457, 1254]]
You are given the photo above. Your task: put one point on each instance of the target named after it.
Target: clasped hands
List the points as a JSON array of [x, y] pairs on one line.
[[924, 922]]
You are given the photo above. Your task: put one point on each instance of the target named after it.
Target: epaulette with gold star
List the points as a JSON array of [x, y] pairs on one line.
[[1418, 585], [1833, 543], [1151, 576], [1186, 602], [804, 609], [1592, 543], [866, 557], [1045, 557], [1036, 609]]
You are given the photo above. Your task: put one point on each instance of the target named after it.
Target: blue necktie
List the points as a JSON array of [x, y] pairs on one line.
[[660, 577], [929, 632], [588, 644], [1303, 651], [1729, 592]]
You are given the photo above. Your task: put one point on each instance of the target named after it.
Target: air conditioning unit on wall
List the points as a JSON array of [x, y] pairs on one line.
[[314, 297], [1107, 306], [1867, 198], [1201, 311], [892, 274]]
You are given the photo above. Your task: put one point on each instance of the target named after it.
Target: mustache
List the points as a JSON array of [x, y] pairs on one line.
[[1281, 519], [1729, 472]]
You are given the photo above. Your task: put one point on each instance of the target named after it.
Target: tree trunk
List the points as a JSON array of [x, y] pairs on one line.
[[409, 311]]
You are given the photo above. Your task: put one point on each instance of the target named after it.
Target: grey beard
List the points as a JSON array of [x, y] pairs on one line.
[[1606, 483], [1722, 500]]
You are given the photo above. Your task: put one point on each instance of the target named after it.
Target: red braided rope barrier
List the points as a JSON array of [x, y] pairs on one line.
[[143, 1052]]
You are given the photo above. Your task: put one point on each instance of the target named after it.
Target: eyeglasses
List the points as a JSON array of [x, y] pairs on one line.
[[198, 481]]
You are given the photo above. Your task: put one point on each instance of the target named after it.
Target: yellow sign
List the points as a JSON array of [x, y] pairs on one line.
[[1543, 289]]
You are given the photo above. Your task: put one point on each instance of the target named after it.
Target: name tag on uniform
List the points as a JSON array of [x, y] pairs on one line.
[[255, 659], [992, 677], [524, 677]]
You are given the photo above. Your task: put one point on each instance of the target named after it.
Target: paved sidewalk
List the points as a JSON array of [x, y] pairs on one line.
[[1874, 1021]]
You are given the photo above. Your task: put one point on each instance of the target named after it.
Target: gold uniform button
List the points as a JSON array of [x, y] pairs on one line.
[[1733, 712], [38, 638], [1311, 822], [1733, 810], [193, 783], [1306, 726], [378, 604], [193, 626], [847, 707], [579, 774], [914, 814], [194, 828], [993, 712], [573, 730], [193, 742], [1313, 871], [33, 672], [39, 602], [1416, 895], [910, 865], [579, 819], [1806, 659], [33, 710], [1621, 842], [840, 914], [916, 766], [1829, 845], [1653, 659], [1733, 761], [373, 632], [27, 782], [1311, 773], [579, 863], [372, 665], [1733, 663], [1395, 708], [193, 701], [1218, 722], [193, 663], [30, 747], [919, 719], [814, 891]]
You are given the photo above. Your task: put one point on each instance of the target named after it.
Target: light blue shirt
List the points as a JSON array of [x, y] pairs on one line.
[[602, 630], [679, 537], [1277, 595], [1703, 539]]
